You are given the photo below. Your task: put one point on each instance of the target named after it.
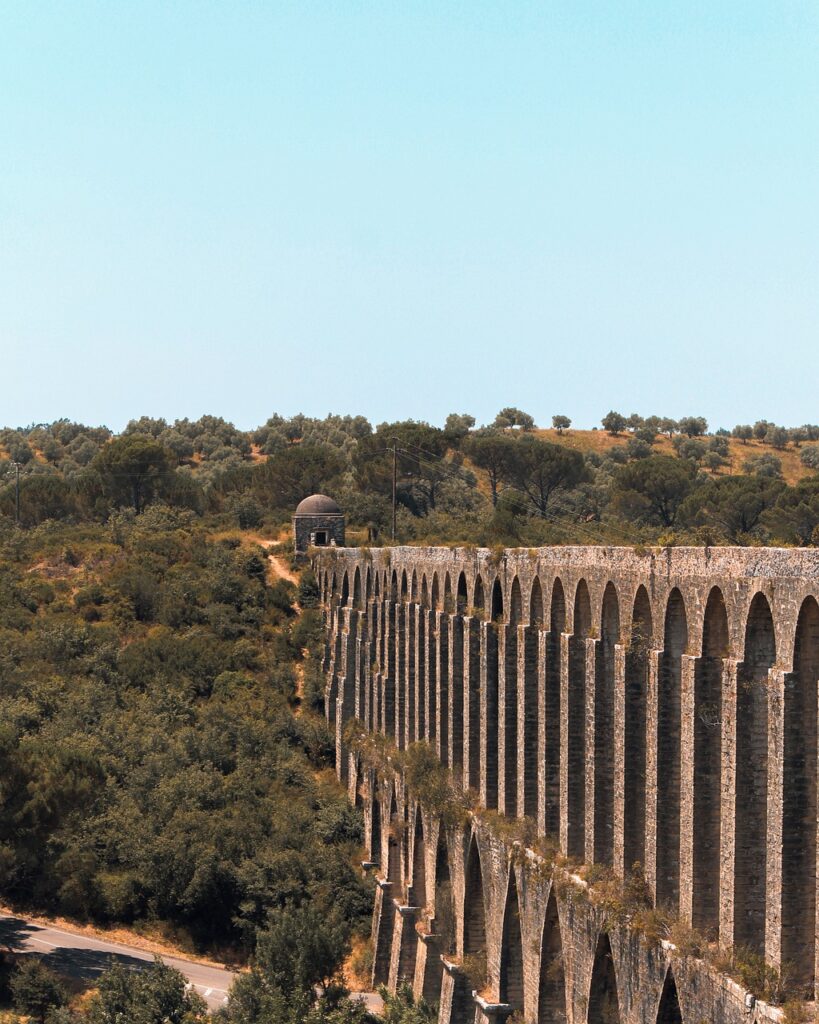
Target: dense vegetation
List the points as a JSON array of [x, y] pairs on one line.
[[640, 480]]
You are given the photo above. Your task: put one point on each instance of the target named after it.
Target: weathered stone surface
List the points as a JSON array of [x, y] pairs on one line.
[[658, 706]]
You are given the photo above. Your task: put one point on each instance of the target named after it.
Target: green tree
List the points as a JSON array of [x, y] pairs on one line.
[[561, 423], [35, 988], [542, 471], [493, 451], [733, 505], [693, 426], [512, 417], [296, 472], [652, 490], [795, 516], [156, 995], [133, 469], [743, 431], [614, 422]]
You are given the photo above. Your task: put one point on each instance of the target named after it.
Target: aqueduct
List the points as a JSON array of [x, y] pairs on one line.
[[641, 706]]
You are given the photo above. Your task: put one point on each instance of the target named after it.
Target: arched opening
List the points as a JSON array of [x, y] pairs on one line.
[[424, 592], [474, 910], [557, 625], [799, 799], [357, 588], [551, 1007], [461, 597], [404, 586], [536, 605], [477, 597], [604, 1004], [528, 706], [489, 638], [375, 832], [508, 716], [394, 586], [669, 751], [345, 589], [444, 904], [394, 851], [511, 959], [750, 874], [435, 593], [577, 723], [414, 586], [604, 729], [419, 871], [496, 607], [708, 764], [634, 743], [368, 584], [377, 585], [669, 1010]]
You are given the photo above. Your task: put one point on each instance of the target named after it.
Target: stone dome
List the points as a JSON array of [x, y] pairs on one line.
[[318, 505]]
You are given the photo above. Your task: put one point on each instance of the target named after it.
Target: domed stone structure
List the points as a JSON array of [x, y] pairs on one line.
[[317, 522]]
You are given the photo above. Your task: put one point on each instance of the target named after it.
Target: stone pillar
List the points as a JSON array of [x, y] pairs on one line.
[[431, 674], [565, 641], [776, 782], [446, 664], [489, 691], [428, 969], [652, 712], [508, 749], [400, 673], [688, 669], [410, 695], [729, 797], [528, 721], [472, 706], [456, 1005], [404, 947], [593, 668], [383, 928], [542, 778], [620, 867]]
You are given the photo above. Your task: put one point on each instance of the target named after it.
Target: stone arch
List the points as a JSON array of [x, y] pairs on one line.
[[444, 925], [474, 905], [669, 1011], [496, 603], [368, 584], [419, 871], [493, 718], [536, 605], [603, 1003], [557, 625], [751, 835], [708, 764], [551, 1006], [345, 588], [478, 599], [435, 595], [357, 588], [414, 586], [396, 829], [799, 809], [461, 601], [394, 586], [404, 585], [424, 591], [515, 604], [634, 743], [375, 831], [576, 845], [669, 748], [377, 584], [604, 728], [511, 953]]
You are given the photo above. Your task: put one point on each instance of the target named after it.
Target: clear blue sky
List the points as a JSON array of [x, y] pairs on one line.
[[407, 209]]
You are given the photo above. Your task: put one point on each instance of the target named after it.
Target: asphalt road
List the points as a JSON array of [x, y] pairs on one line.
[[82, 956]]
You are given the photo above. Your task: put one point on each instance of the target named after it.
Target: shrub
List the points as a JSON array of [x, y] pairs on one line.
[[35, 988]]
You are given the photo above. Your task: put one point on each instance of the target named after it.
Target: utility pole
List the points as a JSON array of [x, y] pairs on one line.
[[394, 483]]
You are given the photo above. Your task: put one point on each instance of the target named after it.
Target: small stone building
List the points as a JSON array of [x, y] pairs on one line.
[[317, 522]]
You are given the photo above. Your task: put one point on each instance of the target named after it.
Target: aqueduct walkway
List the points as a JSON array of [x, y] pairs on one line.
[[654, 706]]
